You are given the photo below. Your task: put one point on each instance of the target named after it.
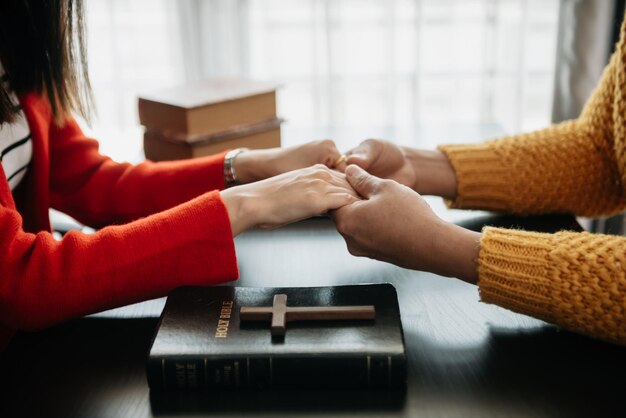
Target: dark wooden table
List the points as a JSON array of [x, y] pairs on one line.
[[465, 358]]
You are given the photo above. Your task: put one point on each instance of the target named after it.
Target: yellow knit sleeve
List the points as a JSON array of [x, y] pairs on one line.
[[575, 280], [573, 167]]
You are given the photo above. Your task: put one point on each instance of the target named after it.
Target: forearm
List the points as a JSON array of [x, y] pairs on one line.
[[48, 281], [434, 173], [455, 252], [255, 165], [98, 191], [567, 168], [575, 280]]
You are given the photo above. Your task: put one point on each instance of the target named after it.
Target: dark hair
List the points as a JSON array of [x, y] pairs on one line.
[[42, 50]]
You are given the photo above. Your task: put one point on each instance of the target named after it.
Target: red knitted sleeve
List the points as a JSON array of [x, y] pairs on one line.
[[44, 281], [98, 191]]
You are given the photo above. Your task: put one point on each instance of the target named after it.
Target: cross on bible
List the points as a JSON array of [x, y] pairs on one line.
[[279, 314]]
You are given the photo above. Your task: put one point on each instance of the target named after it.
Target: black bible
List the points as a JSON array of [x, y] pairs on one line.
[[201, 344]]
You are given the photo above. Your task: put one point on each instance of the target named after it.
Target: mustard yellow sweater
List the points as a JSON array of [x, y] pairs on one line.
[[575, 280]]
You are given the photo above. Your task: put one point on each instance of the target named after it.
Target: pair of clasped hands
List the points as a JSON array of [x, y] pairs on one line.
[[372, 192]]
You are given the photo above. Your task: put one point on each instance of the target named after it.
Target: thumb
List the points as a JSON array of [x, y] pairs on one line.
[[361, 181], [362, 155]]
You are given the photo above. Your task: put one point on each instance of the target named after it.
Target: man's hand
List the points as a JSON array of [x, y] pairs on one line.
[[394, 224], [383, 159], [427, 172]]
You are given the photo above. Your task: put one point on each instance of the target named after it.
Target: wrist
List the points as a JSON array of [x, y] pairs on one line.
[[231, 175], [240, 210], [253, 165], [434, 172], [458, 249]]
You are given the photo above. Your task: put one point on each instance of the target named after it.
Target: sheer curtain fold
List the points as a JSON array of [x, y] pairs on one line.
[[584, 44], [214, 35]]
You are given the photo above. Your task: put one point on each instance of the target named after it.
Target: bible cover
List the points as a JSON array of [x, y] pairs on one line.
[[200, 343]]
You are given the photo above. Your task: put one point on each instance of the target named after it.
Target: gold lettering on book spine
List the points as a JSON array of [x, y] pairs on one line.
[[179, 373], [223, 322], [192, 375]]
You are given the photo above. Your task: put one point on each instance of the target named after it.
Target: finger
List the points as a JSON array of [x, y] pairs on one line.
[[337, 214], [342, 214], [363, 182], [331, 154], [338, 199], [341, 188], [341, 167], [340, 181], [362, 155], [339, 163]]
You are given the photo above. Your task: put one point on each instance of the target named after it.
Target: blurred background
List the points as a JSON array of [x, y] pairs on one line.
[[416, 71]]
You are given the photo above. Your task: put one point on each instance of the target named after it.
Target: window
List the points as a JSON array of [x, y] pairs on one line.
[[347, 63], [132, 46]]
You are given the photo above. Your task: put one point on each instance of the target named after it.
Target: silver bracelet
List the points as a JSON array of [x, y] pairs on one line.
[[230, 177]]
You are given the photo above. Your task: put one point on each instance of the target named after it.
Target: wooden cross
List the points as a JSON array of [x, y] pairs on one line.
[[279, 314]]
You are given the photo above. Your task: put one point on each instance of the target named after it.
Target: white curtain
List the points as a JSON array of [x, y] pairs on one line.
[[354, 64]]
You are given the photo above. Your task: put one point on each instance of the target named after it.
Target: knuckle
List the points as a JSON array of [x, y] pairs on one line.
[[354, 250], [322, 172], [319, 167], [317, 183], [348, 197], [344, 226], [385, 184], [327, 144], [340, 224]]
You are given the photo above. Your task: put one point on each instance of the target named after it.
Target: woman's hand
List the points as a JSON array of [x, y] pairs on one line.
[[255, 165], [425, 171], [287, 198], [394, 224]]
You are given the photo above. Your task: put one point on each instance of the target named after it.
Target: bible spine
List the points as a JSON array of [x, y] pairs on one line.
[[366, 371]]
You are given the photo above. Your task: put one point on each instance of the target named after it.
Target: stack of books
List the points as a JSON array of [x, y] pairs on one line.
[[209, 117]]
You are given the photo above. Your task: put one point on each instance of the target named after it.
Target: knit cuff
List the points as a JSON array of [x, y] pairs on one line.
[[513, 271], [480, 175]]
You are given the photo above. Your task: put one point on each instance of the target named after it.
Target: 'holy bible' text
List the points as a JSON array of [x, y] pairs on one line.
[[221, 331]]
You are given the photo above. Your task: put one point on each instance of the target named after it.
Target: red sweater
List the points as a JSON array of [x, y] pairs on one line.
[[168, 232]]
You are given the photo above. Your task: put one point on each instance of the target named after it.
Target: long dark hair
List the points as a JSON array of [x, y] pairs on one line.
[[42, 49]]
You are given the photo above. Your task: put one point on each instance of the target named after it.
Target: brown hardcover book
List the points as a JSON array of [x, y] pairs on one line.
[[208, 107], [158, 147]]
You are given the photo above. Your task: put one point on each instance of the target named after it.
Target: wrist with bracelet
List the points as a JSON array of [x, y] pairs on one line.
[[230, 175]]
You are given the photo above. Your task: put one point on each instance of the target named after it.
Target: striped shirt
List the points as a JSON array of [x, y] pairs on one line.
[[16, 146]]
